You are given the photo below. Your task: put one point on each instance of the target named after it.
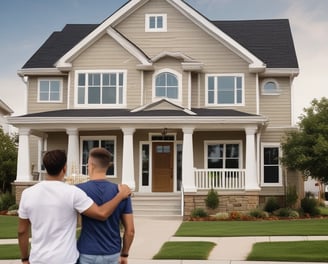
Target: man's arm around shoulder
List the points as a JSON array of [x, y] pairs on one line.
[[104, 211]]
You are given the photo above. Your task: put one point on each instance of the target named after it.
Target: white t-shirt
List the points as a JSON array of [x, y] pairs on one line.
[[51, 207]]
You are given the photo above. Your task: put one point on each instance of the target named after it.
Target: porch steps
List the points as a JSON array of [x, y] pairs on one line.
[[157, 205]]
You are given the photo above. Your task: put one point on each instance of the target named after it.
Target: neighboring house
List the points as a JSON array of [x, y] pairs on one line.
[[5, 111], [185, 104]]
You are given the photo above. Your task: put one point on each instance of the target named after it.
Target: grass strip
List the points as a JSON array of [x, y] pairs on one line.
[[310, 227], [296, 251], [191, 250], [8, 226], [9, 252]]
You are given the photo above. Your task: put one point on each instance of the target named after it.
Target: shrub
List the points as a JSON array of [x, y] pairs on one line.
[[282, 212], [310, 206], [198, 212], [212, 199], [257, 213], [222, 216], [235, 215], [294, 214], [6, 200], [291, 196], [271, 205], [13, 207]]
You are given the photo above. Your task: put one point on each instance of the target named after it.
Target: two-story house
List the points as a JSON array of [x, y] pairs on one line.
[[184, 103]]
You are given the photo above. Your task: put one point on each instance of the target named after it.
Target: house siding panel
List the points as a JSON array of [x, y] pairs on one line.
[[186, 37], [281, 115]]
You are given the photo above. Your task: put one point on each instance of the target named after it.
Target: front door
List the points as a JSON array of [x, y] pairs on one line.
[[162, 178]]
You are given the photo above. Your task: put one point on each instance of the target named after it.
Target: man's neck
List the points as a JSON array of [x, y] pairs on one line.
[[98, 176], [54, 178]]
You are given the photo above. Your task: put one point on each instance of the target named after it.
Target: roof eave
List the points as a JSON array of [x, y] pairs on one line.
[[280, 72], [39, 71]]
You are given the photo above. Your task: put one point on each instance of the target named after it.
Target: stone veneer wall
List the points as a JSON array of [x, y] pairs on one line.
[[19, 187], [242, 203]]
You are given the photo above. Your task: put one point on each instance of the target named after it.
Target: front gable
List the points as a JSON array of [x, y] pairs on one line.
[[117, 20]]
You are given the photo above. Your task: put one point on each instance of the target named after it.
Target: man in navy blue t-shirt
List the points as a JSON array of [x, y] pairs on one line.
[[100, 241]]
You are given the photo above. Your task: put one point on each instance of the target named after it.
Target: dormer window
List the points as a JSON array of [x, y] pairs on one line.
[[167, 84], [156, 23]]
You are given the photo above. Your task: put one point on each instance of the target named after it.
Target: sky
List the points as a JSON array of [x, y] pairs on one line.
[[26, 24]]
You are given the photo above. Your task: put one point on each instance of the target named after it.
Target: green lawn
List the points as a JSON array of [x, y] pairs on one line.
[[313, 227], [185, 250], [9, 252], [296, 251], [8, 226]]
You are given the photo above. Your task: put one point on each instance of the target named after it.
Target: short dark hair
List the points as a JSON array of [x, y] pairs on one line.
[[102, 156], [54, 161]]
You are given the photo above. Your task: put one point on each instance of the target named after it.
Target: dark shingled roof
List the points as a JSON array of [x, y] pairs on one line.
[[201, 112], [58, 44], [269, 40]]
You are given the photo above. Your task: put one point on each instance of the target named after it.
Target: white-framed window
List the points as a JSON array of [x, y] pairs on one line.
[[100, 88], [88, 143], [224, 89], [270, 87], [167, 83], [270, 164], [50, 90], [223, 155], [156, 23]]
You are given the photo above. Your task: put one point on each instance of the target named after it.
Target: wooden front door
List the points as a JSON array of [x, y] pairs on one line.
[[162, 178]]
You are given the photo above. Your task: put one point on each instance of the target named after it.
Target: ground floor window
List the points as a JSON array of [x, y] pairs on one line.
[[271, 169], [222, 155], [89, 143]]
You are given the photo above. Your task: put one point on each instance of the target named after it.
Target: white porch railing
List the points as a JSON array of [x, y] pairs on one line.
[[220, 179]]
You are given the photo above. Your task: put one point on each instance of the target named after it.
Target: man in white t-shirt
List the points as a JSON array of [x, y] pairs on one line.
[[50, 208]]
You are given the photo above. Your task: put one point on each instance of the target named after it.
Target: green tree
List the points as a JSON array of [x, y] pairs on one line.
[[307, 148], [8, 161]]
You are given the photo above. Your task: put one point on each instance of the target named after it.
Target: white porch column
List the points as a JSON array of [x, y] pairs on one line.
[[73, 151], [251, 179], [23, 159], [128, 158], [188, 180]]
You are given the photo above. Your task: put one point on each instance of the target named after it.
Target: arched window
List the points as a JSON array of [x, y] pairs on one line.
[[270, 87], [167, 85]]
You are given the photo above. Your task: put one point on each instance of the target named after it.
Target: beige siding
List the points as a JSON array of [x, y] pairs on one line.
[[186, 37], [33, 106], [277, 107], [107, 54]]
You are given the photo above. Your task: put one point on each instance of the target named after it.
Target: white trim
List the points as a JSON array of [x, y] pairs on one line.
[[50, 79], [156, 29], [86, 105], [132, 49], [257, 94], [270, 80], [179, 77], [100, 138], [39, 72], [142, 92], [242, 75], [280, 72], [224, 142], [69, 91], [189, 90], [270, 145]]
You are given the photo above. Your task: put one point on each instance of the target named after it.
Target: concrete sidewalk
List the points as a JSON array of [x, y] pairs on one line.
[[151, 234]]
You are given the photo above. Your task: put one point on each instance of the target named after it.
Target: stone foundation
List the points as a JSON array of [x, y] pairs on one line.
[[230, 202], [19, 187]]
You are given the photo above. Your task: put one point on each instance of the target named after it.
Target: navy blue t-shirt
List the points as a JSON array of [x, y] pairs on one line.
[[102, 237]]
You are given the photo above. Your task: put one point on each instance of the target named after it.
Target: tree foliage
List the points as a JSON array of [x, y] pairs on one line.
[[307, 148], [8, 161]]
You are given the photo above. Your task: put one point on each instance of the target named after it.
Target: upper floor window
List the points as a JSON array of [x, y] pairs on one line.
[[225, 89], [50, 90], [167, 84], [100, 88], [156, 23], [270, 87], [271, 169]]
